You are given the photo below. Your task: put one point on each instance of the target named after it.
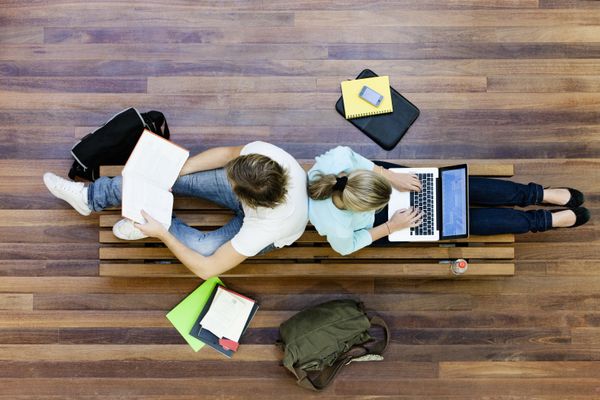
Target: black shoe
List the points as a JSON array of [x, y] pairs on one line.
[[577, 198], [582, 215]]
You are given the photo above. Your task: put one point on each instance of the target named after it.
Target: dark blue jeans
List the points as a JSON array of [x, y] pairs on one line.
[[495, 219]]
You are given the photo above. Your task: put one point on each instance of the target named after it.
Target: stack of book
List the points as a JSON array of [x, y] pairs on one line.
[[213, 315]]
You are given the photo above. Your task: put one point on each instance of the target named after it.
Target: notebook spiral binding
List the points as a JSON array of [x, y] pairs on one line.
[[368, 114]]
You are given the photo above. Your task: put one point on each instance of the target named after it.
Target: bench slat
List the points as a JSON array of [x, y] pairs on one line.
[[309, 236], [476, 167], [310, 253], [413, 270]]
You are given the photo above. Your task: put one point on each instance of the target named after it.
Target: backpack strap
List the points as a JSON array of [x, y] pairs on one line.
[[357, 353], [157, 123]]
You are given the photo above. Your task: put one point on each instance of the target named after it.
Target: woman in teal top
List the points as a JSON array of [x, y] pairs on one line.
[[346, 190], [346, 217]]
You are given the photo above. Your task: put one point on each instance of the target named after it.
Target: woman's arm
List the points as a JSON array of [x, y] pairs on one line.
[[378, 232], [349, 244], [210, 159], [404, 218]]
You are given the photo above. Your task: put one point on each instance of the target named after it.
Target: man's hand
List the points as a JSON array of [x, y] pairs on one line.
[[152, 227]]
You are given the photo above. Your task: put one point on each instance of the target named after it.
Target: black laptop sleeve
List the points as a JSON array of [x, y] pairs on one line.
[[385, 129]]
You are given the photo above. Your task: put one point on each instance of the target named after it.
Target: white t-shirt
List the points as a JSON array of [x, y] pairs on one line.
[[283, 224]]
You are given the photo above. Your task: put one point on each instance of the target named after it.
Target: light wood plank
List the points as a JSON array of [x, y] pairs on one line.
[[476, 167], [234, 84], [446, 18], [304, 101], [520, 370], [188, 53], [309, 236], [23, 302], [408, 252], [129, 352], [548, 84], [335, 34], [421, 270], [584, 335]]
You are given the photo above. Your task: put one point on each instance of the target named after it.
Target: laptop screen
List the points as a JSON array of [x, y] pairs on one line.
[[454, 201]]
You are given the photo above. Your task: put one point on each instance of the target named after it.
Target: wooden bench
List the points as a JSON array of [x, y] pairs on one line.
[[311, 255]]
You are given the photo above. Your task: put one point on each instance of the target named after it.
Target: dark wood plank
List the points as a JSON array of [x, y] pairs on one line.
[[101, 85], [142, 369], [48, 268], [460, 50], [348, 68], [158, 301]]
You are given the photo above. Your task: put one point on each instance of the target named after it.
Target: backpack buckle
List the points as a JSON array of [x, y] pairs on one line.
[[366, 357]]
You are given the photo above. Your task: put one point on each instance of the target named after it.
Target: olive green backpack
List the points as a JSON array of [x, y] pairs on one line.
[[319, 341]]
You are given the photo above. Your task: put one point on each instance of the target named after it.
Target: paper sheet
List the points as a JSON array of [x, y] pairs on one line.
[[227, 315]]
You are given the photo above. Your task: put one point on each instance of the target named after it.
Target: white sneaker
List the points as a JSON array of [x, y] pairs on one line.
[[125, 230], [74, 193]]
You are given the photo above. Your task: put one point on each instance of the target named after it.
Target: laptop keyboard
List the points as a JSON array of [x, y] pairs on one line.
[[424, 201]]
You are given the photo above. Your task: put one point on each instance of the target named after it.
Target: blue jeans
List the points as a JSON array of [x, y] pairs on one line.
[[211, 185], [496, 220]]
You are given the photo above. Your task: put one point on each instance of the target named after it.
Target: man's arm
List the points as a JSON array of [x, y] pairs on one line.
[[224, 259], [210, 159]]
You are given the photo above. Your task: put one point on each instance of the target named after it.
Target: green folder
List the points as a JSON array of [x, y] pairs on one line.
[[184, 315]]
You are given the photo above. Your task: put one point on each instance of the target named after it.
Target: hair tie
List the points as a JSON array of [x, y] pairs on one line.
[[340, 183]]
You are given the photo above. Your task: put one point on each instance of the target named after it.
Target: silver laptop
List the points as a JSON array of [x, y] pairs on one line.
[[444, 200]]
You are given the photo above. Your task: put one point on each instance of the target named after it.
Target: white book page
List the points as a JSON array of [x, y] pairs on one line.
[[156, 159], [227, 315], [140, 194]]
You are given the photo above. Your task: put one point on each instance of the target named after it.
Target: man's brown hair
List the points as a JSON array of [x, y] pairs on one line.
[[257, 180]]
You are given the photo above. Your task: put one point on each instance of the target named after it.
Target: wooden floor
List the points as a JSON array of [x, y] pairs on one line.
[[516, 80]]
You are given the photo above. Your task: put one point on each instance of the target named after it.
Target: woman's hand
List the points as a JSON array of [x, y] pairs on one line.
[[405, 218], [152, 227], [404, 182]]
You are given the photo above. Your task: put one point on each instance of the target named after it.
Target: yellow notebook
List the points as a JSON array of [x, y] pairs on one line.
[[355, 107]]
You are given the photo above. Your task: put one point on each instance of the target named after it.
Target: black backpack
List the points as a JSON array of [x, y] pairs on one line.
[[113, 142]]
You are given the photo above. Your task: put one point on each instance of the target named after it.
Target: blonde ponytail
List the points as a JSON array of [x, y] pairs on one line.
[[322, 187], [365, 190]]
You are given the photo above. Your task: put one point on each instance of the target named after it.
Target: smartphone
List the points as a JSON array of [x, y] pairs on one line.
[[371, 96]]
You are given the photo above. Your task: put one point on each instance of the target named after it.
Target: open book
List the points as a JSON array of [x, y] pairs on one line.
[[148, 175]]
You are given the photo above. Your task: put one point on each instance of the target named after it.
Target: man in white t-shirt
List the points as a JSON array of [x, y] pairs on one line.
[[261, 183]]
